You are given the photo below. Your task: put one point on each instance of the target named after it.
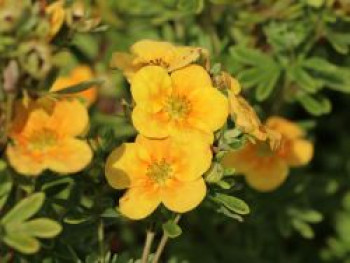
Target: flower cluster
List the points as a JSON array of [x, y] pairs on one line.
[[266, 168], [76, 16], [176, 111], [44, 136], [44, 131]]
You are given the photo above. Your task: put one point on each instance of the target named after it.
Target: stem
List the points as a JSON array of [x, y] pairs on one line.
[[9, 110], [147, 247], [162, 243], [8, 117], [100, 236]]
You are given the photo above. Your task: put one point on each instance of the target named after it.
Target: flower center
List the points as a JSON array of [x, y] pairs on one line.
[[42, 140], [159, 172], [178, 107], [159, 62]]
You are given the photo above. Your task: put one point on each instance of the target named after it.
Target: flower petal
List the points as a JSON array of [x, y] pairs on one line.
[[209, 109], [23, 162], [267, 176], [150, 88], [71, 156], [153, 125], [182, 197], [189, 79], [79, 74], [287, 128], [185, 134], [37, 119], [148, 51], [300, 152], [121, 166], [240, 160], [245, 117], [124, 62], [191, 160], [69, 117], [139, 202], [56, 14]]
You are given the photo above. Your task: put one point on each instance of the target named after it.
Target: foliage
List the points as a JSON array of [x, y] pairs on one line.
[[291, 59]]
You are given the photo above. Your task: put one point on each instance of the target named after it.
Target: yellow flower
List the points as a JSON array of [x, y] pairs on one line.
[[265, 169], [157, 53], [76, 76], [56, 14], [183, 105], [158, 171], [43, 135], [245, 117]]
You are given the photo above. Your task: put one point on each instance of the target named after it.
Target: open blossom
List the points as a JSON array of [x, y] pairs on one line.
[[157, 53], [158, 171], [56, 14], [43, 136], [77, 75], [183, 104], [266, 169]]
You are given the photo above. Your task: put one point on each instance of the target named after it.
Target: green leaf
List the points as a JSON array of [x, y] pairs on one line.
[[265, 87], [250, 77], [249, 56], [263, 73], [339, 41], [25, 209], [330, 75], [172, 229], [78, 87], [42, 227], [303, 228], [77, 219], [215, 173], [223, 210], [303, 79], [22, 242], [5, 187], [315, 3], [232, 203], [315, 106], [3, 165], [110, 213], [310, 216], [192, 6]]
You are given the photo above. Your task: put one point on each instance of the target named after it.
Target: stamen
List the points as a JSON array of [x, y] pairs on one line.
[[159, 172], [42, 140], [178, 107]]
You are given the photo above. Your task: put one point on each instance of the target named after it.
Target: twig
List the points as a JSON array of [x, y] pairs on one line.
[[100, 236], [162, 243], [147, 247]]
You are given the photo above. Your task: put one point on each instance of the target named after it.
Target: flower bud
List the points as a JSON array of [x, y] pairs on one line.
[[35, 58], [10, 15], [11, 75], [80, 18]]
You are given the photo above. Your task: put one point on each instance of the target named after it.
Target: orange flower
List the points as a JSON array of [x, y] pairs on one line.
[[43, 137], [183, 105], [158, 171], [158, 53], [265, 169], [56, 14], [76, 76]]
